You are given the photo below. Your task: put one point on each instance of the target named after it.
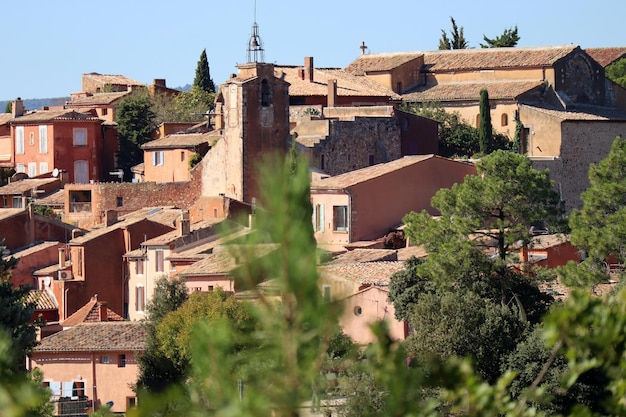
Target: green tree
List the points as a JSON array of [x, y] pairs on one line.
[[485, 220], [458, 40], [135, 124], [616, 72], [203, 79], [405, 287], [485, 130], [509, 38], [9, 107]]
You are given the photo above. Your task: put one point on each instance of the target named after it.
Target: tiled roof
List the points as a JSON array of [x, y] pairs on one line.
[[43, 300], [363, 273], [198, 231], [225, 260], [495, 58], [200, 251], [380, 62], [364, 174], [347, 84], [181, 140], [97, 99], [5, 118], [469, 90], [19, 187], [548, 241], [417, 251], [90, 313], [111, 79], [365, 255], [33, 249], [5, 213], [54, 115], [606, 56], [103, 336], [56, 198], [582, 112]]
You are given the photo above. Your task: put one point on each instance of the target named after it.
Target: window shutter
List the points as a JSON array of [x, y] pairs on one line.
[[315, 228], [321, 217]]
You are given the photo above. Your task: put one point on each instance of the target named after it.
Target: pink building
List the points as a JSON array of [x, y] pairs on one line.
[[365, 204]]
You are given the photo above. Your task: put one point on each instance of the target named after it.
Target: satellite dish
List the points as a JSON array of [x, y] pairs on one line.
[[46, 281], [55, 172]]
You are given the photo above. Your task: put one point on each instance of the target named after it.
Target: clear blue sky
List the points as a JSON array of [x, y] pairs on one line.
[[48, 45]]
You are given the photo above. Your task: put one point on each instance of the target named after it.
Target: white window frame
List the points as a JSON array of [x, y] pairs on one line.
[[43, 139], [32, 169], [157, 158], [43, 168], [20, 168], [79, 136], [17, 202], [318, 217], [336, 226], [19, 140]]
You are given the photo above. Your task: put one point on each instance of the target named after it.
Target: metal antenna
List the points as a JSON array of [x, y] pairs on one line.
[[256, 52]]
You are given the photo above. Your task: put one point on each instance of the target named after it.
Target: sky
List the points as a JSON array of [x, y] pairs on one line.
[[48, 45]]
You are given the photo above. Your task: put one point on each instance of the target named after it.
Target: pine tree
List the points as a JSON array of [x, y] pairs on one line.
[[509, 38], [203, 79], [485, 131], [458, 40]]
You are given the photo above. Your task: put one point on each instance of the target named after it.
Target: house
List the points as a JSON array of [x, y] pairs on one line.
[[606, 56], [6, 144], [30, 259], [100, 83], [171, 158], [104, 104], [566, 110], [549, 251], [21, 228], [91, 364], [81, 144], [366, 204], [17, 194]]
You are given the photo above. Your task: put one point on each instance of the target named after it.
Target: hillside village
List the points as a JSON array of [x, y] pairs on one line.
[[93, 268]]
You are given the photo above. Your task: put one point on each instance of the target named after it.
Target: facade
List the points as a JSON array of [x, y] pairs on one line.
[[30, 259], [104, 104], [91, 364], [21, 228], [80, 144], [168, 159], [367, 203], [6, 145]]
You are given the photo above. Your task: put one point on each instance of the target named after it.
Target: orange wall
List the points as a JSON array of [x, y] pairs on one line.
[[175, 165]]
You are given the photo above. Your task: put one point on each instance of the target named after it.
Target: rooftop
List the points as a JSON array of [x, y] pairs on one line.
[[40, 116], [363, 273], [26, 185], [103, 336], [90, 313], [455, 91], [181, 140], [606, 56]]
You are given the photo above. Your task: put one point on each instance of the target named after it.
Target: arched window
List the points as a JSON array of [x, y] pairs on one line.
[[266, 98], [504, 119]]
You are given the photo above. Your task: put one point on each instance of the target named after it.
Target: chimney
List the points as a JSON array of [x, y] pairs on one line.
[[61, 258], [308, 68], [17, 108], [159, 82], [76, 233], [110, 217], [184, 226], [301, 73], [102, 309], [332, 93]]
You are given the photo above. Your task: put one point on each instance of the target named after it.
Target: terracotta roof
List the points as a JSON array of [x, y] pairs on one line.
[[469, 90], [417, 251], [495, 58], [198, 231], [365, 255], [200, 251], [5, 118], [43, 300], [226, 259], [181, 140], [380, 62], [104, 336], [582, 112], [26, 185], [363, 273], [90, 313], [5, 213], [365, 174], [111, 79], [347, 84], [33, 249], [548, 241], [606, 56], [54, 115], [97, 99], [56, 198]]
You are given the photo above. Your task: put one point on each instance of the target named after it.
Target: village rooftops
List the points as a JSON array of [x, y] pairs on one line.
[[372, 63], [25, 185], [182, 140], [363, 273], [460, 91], [97, 99], [102, 336], [41, 116], [197, 232], [583, 112], [606, 56], [111, 79]]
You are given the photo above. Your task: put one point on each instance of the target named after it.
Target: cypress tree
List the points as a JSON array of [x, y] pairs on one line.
[[203, 79], [485, 133]]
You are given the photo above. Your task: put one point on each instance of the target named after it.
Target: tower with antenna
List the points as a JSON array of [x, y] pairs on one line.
[[256, 52]]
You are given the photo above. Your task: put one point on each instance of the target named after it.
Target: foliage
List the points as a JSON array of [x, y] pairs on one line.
[[484, 220], [509, 38], [485, 130], [5, 174], [9, 107], [458, 40], [169, 295], [194, 159], [456, 137], [46, 211], [203, 79], [599, 228], [405, 287], [135, 124], [616, 72]]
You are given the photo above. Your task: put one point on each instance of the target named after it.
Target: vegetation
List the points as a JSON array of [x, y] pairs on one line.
[[509, 38], [135, 124], [203, 79], [616, 72], [457, 40], [485, 130]]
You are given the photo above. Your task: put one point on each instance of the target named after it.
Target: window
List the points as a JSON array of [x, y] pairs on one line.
[[43, 168], [79, 269], [318, 215], [197, 289], [17, 202], [19, 139], [120, 201], [104, 359], [78, 389], [157, 158], [121, 361], [182, 156], [32, 169], [139, 267], [43, 139], [32, 138], [326, 293], [140, 301], [131, 402], [20, 168], [105, 112], [214, 212], [340, 218], [80, 137], [81, 172], [159, 263], [322, 162], [211, 287], [266, 99], [399, 87], [371, 160], [358, 311], [504, 119]]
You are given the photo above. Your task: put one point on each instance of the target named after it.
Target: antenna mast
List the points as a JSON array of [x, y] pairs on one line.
[[255, 44]]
